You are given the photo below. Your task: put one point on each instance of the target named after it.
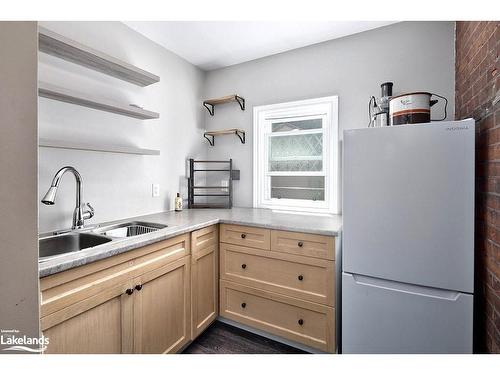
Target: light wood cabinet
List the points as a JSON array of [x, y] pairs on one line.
[[280, 282], [157, 298], [69, 287], [102, 308], [204, 279], [162, 309]]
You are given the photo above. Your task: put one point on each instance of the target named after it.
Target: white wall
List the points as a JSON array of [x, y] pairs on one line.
[[119, 185], [18, 181], [414, 55]]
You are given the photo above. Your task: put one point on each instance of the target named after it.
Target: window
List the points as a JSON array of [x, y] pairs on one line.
[[296, 156]]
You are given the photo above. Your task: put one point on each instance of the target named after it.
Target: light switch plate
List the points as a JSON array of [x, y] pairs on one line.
[[155, 190]]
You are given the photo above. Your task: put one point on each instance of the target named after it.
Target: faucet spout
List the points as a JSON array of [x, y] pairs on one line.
[[81, 212]]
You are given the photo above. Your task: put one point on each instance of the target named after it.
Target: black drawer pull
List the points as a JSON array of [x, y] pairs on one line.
[[243, 235], [301, 277], [138, 287], [243, 266], [243, 305], [300, 322], [300, 244], [129, 291]]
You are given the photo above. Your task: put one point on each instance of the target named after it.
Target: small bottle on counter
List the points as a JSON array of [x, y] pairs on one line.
[[178, 202]]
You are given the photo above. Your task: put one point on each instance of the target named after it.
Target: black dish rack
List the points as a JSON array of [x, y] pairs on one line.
[[226, 191]]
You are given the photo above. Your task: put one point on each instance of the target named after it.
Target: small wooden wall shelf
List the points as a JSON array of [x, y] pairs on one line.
[[48, 91], [67, 49], [211, 103], [210, 136], [52, 143]]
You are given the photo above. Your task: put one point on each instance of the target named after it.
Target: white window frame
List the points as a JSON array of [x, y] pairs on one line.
[[325, 107]]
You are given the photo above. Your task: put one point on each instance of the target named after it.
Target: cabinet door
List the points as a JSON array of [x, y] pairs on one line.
[[162, 308], [100, 324], [204, 279]]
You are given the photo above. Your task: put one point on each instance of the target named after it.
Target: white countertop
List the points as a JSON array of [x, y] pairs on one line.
[[190, 220]]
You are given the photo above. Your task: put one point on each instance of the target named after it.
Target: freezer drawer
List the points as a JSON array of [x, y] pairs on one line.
[[380, 316], [408, 204]]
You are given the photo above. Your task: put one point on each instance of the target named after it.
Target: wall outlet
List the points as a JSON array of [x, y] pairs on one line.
[[155, 191]]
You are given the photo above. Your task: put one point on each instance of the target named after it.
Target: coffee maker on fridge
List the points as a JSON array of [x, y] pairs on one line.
[[378, 109], [407, 108]]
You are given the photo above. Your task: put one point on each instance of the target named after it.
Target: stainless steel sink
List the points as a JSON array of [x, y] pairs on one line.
[[67, 243], [130, 229]]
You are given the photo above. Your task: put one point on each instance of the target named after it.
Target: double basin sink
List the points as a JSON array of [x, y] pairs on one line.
[[69, 242]]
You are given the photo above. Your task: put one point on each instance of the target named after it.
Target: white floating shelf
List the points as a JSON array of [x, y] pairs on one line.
[[52, 143], [48, 91], [67, 49]]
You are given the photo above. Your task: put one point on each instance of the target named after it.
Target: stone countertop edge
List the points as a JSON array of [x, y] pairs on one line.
[[93, 254]]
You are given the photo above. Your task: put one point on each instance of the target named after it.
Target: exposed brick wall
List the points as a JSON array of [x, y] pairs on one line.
[[477, 83]]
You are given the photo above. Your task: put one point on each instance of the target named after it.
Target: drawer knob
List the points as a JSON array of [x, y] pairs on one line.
[[243, 266], [300, 244], [243, 235], [301, 277], [243, 305], [138, 287], [301, 321], [129, 291]]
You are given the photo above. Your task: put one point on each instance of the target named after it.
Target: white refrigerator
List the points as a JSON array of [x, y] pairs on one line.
[[408, 239]]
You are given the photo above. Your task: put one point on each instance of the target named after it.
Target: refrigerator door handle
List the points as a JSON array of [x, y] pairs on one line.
[[406, 288]]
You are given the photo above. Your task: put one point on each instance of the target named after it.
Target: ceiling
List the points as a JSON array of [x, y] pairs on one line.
[[216, 44]]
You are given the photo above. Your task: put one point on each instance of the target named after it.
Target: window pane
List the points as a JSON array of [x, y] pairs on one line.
[[298, 187], [286, 126], [302, 152]]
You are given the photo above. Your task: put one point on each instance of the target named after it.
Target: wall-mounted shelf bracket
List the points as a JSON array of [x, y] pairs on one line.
[[210, 138], [210, 108], [241, 101], [241, 135]]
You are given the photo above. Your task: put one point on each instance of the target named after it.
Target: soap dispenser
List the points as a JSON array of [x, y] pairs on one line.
[[178, 202]]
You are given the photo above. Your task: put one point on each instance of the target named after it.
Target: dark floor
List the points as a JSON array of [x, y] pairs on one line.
[[221, 338]]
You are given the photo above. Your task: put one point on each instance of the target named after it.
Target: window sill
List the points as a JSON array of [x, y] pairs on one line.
[[277, 211]]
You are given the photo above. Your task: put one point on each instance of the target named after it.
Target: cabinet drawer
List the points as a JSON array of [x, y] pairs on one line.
[[296, 276], [312, 245], [301, 321], [203, 238], [246, 236]]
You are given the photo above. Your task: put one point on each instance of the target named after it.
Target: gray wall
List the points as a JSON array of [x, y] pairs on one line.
[[414, 55], [18, 182], [119, 185]]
